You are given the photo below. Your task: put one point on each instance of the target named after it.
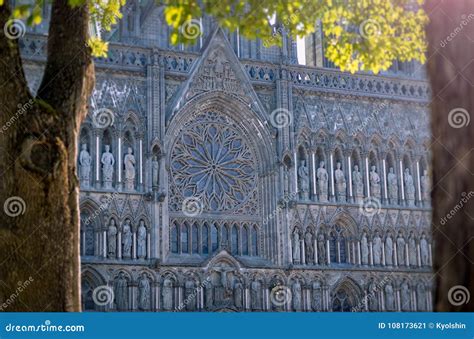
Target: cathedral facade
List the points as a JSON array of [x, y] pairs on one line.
[[225, 177]]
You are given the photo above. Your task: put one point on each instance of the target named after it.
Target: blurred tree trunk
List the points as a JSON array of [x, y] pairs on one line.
[[39, 216], [451, 72]]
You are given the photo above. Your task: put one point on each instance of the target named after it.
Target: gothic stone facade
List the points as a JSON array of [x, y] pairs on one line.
[[211, 182]]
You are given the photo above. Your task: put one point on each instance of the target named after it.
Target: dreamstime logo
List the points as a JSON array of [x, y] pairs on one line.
[[458, 295], [103, 295], [464, 21], [458, 117], [22, 109], [370, 206], [280, 295], [14, 29], [14, 206], [369, 28], [103, 118], [22, 285], [281, 118], [191, 29], [192, 207], [465, 197]]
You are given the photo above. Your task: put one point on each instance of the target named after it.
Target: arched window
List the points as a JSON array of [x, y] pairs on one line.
[[174, 238], [214, 237], [342, 248], [342, 302], [333, 247], [195, 239], [225, 235], [184, 239], [245, 241], [235, 240], [254, 241], [205, 239]]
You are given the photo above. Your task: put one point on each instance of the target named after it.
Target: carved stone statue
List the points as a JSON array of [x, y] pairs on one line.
[[421, 297], [424, 250], [121, 292], [374, 183], [392, 186], [321, 249], [167, 294], [256, 295], [389, 298], [309, 250], [389, 250], [412, 250], [296, 247], [85, 161], [426, 186], [141, 240], [400, 249], [317, 297], [155, 169], [107, 160], [303, 177], [323, 178], [129, 163], [405, 296], [340, 183], [377, 249], [296, 296], [358, 184], [372, 295], [127, 239], [238, 295], [364, 249], [144, 298], [190, 294], [409, 188], [112, 239]]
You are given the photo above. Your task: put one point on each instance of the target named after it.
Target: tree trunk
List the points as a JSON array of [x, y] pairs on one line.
[[451, 72], [39, 196]]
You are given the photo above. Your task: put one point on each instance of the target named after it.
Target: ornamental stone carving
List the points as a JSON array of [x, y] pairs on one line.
[[303, 179], [322, 175], [129, 163], [85, 162], [107, 161], [340, 183]]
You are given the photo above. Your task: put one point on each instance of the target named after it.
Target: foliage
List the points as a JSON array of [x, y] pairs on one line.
[[361, 35]]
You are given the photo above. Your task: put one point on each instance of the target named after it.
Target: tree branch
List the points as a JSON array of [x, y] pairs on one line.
[[69, 75]]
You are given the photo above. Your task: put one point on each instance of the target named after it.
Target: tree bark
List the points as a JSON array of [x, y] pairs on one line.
[[451, 72], [39, 222]]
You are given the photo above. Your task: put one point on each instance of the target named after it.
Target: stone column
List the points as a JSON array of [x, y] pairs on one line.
[[358, 253], [402, 183], [418, 254], [104, 244], [315, 246], [430, 259], [385, 191], [371, 254], [383, 253], [329, 252], [367, 180], [97, 161], [313, 172], [418, 184], [333, 192], [140, 173], [295, 173], [157, 292], [349, 170], [395, 254], [399, 304], [96, 243], [338, 251], [119, 245], [134, 244], [302, 252], [119, 163], [148, 243], [407, 256]]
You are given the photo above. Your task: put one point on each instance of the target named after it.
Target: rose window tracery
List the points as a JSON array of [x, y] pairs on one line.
[[211, 161]]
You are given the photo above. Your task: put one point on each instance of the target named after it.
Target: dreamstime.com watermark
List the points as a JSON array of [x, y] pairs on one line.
[[46, 327], [22, 109], [104, 206], [371, 295], [206, 284], [465, 198], [464, 21], [22, 285]]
